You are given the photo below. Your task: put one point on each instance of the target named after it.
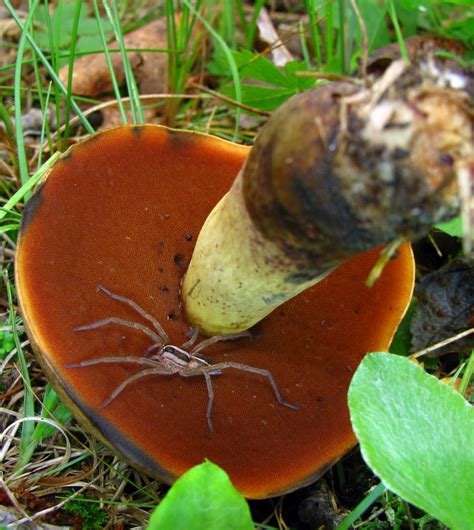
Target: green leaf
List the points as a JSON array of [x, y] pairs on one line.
[[417, 434], [87, 31], [89, 43], [202, 499], [261, 97], [462, 29], [88, 26], [255, 66], [251, 66], [374, 16], [295, 81], [7, 343], [453, 227], [401, 342]]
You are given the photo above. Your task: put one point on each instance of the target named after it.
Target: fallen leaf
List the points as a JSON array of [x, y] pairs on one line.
[[280, 54], [91, 75], [445, 307]]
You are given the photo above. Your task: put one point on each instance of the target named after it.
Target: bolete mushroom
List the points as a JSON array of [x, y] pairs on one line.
[[334, 172]]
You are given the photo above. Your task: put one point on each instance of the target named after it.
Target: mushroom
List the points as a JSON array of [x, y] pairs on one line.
[[123, 209]]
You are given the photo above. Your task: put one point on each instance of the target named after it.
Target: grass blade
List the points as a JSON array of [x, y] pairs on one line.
[[108, 58], [57, 82], [72, 57], [20, 144], [401, 41], [363, 506], [136, 108], [342, 37], [312, 10], [252, 27], [28, 400], [466, 378], [44, 128], [230, 59], [16, 197]]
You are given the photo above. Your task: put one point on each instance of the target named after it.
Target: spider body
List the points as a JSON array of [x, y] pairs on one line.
[[164, 358]]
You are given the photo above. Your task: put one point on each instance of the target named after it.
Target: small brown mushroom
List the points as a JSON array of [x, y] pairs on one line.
[[123, 210]]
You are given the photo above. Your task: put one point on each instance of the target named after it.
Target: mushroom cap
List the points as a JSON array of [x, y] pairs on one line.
[[122, 209]]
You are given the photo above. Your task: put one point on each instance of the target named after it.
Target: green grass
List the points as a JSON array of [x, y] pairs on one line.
[[215, 43]]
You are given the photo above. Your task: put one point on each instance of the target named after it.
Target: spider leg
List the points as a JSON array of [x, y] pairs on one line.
[[161, 332], [127, 323], [115, 359], [220, 338], [150, 349], [254, 370], [206, 371], [192, 339], [132, 379], [210, 401]]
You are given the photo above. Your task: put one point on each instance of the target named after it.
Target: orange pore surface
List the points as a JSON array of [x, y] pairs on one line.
[[123, 209]]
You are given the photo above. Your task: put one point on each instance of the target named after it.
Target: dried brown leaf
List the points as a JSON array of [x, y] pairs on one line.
[[91, 76], [445, 307]]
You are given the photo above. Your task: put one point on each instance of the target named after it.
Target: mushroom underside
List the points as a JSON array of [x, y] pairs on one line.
[[123, 210]]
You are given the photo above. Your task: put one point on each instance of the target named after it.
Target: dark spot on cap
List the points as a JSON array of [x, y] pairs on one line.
[[31, 206], [137, 130], [179, 259], [188, 237]]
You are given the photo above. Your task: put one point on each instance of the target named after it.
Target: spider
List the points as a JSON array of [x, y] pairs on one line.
[[163, 358]]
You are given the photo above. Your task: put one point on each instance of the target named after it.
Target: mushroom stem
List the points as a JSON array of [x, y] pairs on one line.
[[336, 171]]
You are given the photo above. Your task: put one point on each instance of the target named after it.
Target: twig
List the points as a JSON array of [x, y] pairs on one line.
[[232, 101], [9, 240], [445, 342]]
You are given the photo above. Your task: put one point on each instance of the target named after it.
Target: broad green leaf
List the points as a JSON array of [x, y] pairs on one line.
[[374, 16], [261, 97], [202, 499], [251, 66], [417, 435], [89, 43], [453, 227], [88, 26], [255, 66], [87, 30], [295, 81], [7, 343], [462, 29]]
